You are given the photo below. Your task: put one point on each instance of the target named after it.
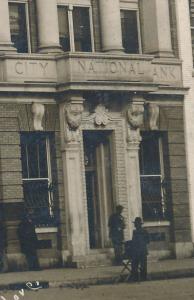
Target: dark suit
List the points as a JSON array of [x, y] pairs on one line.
[[2, 245], [29, 243], [139, 257], [116, 232]]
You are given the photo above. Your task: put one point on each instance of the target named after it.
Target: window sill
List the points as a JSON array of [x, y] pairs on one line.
[[156, 223], [46, 229]]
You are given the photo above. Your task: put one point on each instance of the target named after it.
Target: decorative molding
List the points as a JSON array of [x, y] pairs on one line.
[[135, 116], [73, 117], [153, 110], [100, 116], [38, 111]]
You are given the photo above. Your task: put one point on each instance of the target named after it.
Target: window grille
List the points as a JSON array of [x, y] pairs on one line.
[[37, 180]]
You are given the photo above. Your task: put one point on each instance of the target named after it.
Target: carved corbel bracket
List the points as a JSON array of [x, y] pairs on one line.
[[37, 110], [153, 111], [73, 118], [135, 118]]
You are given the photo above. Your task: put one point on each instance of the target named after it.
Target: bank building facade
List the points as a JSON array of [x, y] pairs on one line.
[[91, 116]]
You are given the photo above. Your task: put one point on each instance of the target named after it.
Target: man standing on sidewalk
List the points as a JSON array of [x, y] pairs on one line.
[[116, 232], [140, 240], [2, 245], [29, 242]]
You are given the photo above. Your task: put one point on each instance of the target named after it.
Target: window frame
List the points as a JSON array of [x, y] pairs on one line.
[[161, 175], [70, 5], [25, 2], [132, 5], [49, 171]]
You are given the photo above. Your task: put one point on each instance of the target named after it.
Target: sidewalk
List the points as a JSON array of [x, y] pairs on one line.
[[93, 276]]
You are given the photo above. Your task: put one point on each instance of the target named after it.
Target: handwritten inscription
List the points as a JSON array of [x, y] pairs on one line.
[[34, 286]]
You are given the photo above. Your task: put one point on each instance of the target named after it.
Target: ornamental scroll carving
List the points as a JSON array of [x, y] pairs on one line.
[[73, 116], [101, 117], [153, 110], [37, 110], [135, 116]]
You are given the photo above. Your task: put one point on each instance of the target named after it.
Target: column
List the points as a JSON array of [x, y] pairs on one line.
[[5, 36], [110, 20], [48, 28], [135, 113], [76, 216], [156, 31]]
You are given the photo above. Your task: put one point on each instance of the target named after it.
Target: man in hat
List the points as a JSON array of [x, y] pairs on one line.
[[140, 240], [2, 245], [29, 242], [116, 225]]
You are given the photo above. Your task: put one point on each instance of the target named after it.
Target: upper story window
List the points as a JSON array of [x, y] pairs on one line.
[[18, 15], [130, 27], [153, 193], [75, 28]]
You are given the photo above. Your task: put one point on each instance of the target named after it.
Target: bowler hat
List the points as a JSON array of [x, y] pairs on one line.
[[119, 207], [138, 220]]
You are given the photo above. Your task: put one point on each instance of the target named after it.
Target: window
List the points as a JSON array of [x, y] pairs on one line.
[[75, 28], [18, 26], [152, 177], [36, 174], [129, 25]]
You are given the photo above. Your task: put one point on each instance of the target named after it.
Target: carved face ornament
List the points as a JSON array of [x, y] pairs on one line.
[[74, 116], [135, 115]]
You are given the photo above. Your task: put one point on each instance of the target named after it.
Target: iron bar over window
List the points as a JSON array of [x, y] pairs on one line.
[[36, 173]]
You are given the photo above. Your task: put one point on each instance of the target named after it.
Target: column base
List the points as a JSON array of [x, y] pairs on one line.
[[162, 54], [113, 50], [16, 262], [7, 47], [54, 48], [183, 250]]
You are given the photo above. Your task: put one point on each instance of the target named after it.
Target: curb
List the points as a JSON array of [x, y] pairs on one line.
[[85, 283]]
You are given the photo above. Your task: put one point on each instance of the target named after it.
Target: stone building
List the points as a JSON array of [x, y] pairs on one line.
[[91, 115]]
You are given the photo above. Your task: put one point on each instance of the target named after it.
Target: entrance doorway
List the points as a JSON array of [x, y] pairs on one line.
[[99, 184]]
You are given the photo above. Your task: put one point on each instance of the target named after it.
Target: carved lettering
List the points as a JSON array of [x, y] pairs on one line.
[[91, 68], [82, 65], [44, 65], [29, 68], [113, 67], [19, 68]]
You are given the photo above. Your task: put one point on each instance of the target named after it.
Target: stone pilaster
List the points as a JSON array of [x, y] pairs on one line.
[[135, 113], [5, 36], [48, 29], [156, 28], [76, 219], [110, 21]]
